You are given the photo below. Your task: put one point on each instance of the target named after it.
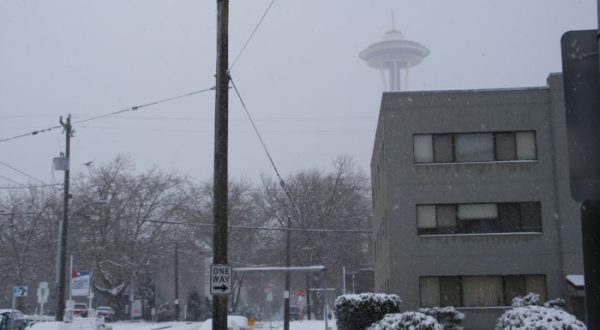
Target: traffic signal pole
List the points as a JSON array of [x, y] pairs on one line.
[[220, 234]]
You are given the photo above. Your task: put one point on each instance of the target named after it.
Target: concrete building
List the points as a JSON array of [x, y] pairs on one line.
[[471, 199]]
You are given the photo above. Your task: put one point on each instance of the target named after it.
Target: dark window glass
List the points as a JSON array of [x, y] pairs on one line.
[[505, 146], [513, 286], [510, 217], [531, 217], [442, 148], [450, 291], [446, 218]]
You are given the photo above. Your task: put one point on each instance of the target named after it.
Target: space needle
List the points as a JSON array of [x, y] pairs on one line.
[[393, 56]]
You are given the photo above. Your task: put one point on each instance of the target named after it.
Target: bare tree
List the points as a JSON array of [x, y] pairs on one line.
[[28, 239], [317, 199], [114, 228]]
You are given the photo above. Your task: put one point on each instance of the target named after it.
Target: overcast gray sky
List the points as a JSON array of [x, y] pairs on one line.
[[311, 96]]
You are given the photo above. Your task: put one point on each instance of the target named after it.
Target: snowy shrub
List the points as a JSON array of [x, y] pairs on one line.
[[407, 321], [448, 316], [526, 300], [359, 311], [538, 318], [557, 303]]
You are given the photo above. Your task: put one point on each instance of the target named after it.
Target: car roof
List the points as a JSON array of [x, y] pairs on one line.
[[2, 311]]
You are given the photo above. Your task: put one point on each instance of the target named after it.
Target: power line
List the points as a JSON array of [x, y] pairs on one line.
[[11, 180], [134, 108], [310, 230], [252, 34], [262, 142], [29, 187], [21, 172], [30, 133]]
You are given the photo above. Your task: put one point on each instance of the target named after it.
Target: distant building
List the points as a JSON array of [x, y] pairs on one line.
[[471, 199]]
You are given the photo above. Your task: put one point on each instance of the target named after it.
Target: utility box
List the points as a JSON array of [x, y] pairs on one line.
[[61, 163]]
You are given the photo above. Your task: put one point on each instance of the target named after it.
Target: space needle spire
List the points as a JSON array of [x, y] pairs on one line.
[[393, 56]]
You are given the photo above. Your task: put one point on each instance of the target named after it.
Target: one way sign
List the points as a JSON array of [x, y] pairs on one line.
[[220, 279]]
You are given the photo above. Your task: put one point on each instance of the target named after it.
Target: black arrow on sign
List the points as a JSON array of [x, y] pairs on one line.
[[223, 288]]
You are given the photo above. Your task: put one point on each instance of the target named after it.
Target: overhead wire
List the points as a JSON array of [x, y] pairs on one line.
[[21, 172], [262, 142], [311, 230], [134, 108], [30, 187], [11, 180], [252, 34]]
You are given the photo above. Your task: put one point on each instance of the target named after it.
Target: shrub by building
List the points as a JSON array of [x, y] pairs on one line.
[[359, 311], [407, 321]]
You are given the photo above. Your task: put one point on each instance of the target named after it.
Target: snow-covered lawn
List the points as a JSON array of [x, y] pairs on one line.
[[276, 325]]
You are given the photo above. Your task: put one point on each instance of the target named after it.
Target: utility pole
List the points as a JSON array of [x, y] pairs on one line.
[[288, 262], [220, 233], [60, 306], [176, 261]]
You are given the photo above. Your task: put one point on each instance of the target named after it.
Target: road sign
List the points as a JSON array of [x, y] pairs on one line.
[[220, 279], [43, 292], [300, 293], [20, 291], [582, 100]]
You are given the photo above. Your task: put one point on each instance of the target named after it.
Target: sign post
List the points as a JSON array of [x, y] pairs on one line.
[[18, 291], [220, 279], [581, 77], [42, 295]]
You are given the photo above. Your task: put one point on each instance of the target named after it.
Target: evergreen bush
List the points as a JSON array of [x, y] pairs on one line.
[[538, 318], [359, 311], [407, 321], [448, 316]]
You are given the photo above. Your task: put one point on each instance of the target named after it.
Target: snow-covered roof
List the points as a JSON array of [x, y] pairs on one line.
[[576, 280]]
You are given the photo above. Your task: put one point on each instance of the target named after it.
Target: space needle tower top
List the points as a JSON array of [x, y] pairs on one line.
[[393, 56]]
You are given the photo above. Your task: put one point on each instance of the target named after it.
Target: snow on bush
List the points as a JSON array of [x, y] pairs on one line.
[[526, 300], [407, 321], [359, 311], [448, 316], [557, 303], [538, 318]]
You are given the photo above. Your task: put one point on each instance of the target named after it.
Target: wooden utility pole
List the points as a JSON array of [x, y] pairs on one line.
[[220, 234], [60, 306]]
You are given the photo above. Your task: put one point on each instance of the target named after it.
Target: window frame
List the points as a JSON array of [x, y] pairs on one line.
[[453, 137], [461, 226], [460, 279]]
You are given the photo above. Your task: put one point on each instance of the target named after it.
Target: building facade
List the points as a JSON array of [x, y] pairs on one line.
[[471, 199]]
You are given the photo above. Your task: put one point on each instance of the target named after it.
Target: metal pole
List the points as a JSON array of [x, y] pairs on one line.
[[286, 293], [177, 308], [344, 279], [60, 305], [307, 298], [71, 279], [590, 227], [220, 234]]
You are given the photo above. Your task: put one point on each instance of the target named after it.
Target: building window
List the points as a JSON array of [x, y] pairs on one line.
[[478, 291], [474, 147], [479, 218]]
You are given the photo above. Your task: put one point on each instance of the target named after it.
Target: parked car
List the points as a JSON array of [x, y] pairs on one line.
[[12, 319], [295, 312], [80, 309], [106, 312]]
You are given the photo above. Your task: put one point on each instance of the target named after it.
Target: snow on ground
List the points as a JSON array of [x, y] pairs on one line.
[[155, 326], [276, 325]]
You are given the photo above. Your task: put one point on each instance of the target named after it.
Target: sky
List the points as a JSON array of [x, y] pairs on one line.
[[311, 96]]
